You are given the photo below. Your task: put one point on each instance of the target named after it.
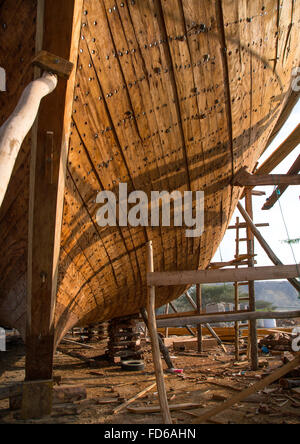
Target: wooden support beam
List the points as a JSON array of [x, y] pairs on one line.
[[189, 314], [258, 193], [244, 225], [225, 317], [286, 147], [245, 179], [236, 295], [281, 152], [276, 195], [294, 282], [220, 276], [61, 33], [164, 407], [199, 309], [252, 303]]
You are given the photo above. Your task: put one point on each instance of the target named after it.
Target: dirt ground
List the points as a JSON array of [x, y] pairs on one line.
[[207, 380]]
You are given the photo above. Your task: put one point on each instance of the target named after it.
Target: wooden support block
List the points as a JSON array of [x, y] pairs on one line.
[[52, 63], [37, 399]]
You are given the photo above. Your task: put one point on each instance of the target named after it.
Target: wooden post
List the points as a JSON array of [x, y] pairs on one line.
[[199, 309], [154, 342], [236, 295], [60, 37], [294, 282], [252, 304], [167, 312]]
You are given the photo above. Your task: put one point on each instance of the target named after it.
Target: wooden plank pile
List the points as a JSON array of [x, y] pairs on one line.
[[124, 340]]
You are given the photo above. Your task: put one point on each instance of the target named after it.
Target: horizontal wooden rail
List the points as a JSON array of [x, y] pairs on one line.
[[225, 317], [220, 276]]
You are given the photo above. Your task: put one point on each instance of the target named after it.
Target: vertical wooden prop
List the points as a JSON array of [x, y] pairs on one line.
[[199, 309], [154, 342], [61, 32], [236, 294], [252, 304]]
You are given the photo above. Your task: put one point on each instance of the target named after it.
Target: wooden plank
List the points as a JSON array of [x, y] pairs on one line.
[[276, 195], [245, 179], [52, 63], [264, 244], [154, 342], [189, 314], [220, 276], [280, 153], [249, 391], [61, 37], [243, 225], [134, 398], [156, 409], [225, 317]]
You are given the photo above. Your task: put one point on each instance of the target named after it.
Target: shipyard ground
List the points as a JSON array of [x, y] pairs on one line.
[[207, 380]]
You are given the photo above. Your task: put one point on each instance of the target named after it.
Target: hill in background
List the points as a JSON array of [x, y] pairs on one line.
[[276, 295]]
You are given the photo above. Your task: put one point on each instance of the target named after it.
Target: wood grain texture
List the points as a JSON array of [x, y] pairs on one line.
[[170, 95]]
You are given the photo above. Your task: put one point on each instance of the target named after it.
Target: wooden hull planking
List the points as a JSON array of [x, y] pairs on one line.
[[170, 95]]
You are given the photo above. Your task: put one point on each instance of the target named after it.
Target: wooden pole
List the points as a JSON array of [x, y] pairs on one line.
[[154, 341], [181, 321], [61, 37], [167, 312], [236, 295], [264, 244], [252, 303], [174, 278], [199, 309]]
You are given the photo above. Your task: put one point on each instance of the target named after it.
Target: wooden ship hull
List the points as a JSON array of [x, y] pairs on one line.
[[169, 95]]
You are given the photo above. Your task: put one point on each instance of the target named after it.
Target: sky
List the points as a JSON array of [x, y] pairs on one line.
[[276, 233]]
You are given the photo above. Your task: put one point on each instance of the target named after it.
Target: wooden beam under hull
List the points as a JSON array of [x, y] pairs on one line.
[[220, 276], [61, 37], [225, 317]]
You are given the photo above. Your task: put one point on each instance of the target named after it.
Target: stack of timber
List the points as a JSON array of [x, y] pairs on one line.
[[174, 95], [124, 340]]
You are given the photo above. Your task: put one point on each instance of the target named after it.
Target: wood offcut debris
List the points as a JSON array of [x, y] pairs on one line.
[[253, 389]]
